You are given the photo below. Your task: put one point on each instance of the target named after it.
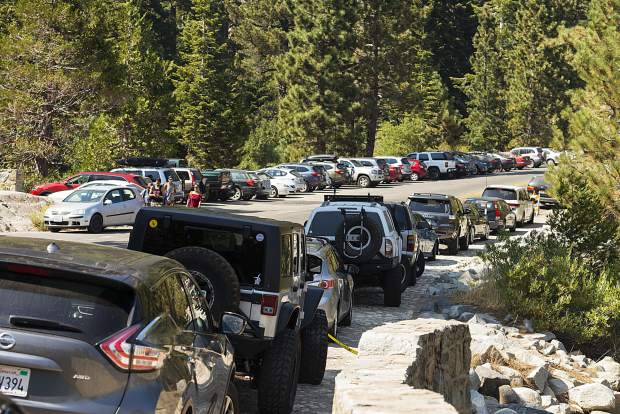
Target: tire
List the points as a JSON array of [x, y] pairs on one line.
[[96, 224], [274, 192], [415, 177], [514, 227], [231, 400], [420, 265], [279, 373], [214, 275], [247, 197], [531, 219], [433, 173], [453, 246], [485, 236], [53, 229], [314, 344], [435, 252], [519, 168], [368, 250], [364, 181], [464, 242], [305, 187], [391, 287], [262, 197], [551, 162], [237, 194], [472, 233], [333, 331], [405, 276], [346, 321], [311, 189]]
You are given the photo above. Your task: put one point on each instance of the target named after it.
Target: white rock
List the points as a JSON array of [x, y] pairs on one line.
[[538, 376], [505, 411], [599, 412], [609, 365], [546, 401], [509, 372], [563, 408], [477, 402], [617, 395], [558, 345], [548, 336], [528, 397], [549, 350], [593, 397]]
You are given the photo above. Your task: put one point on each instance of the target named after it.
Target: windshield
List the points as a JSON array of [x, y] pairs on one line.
[[500, 193], [85, 196], [402, 219], [481, 204], [429, 205], [171, 173], [327, 223], [295, 173]]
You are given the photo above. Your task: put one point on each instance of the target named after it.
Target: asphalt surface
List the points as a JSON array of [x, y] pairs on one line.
[[297, 207]]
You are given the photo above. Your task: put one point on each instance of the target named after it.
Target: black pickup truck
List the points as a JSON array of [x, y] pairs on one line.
[[217, 185]]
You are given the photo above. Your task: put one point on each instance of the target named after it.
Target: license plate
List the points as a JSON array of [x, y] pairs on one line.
[[56, 219], [14, 381]]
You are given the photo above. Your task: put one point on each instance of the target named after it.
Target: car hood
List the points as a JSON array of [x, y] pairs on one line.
[[66, 208], [58, 196]]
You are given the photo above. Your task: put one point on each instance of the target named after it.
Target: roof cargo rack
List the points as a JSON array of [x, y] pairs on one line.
[[368, 198]]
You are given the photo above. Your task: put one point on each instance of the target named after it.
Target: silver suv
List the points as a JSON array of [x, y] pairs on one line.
[[363, 232], [155, 173], [364, 171]]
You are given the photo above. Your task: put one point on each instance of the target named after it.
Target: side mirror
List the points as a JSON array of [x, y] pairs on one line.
[[233, 323], [107, 202]]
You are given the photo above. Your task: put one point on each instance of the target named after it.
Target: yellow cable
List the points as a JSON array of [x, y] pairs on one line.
[[347, 347]]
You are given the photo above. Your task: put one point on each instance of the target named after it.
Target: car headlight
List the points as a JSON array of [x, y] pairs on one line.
[[375, 171], [77, 212]]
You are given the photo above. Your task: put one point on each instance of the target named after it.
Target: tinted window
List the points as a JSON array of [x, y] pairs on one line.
[[405, 161], [183, 175], [140, 181], [197, 175], [401, 216], [438, 156], [115, 196], [94, 310], [429, 205], [502, 193], [423, 157], [77, 180], [198, 304], [107, 177], [366, 163], [326, 223], [482, 204], [171, 173], [128, 194], [153, 175], [356, 163]]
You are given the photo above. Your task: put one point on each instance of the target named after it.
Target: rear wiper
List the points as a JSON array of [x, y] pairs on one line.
[[31, 322]]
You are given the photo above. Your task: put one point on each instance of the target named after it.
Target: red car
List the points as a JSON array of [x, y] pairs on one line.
[[418, 169], [520, 161], [85, 177]]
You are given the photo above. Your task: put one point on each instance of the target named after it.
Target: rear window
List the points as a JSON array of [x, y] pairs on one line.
[[429, 205], [326, 223], [94, 312], [183, 175], [391, 160], [438, 156], [482, 204], [402, 218], [502, 193], [367, 163], [140, 181], [171, 173], [405, 161]]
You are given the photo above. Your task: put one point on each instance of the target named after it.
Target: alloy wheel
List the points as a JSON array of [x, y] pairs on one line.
[[274, 192], [236, 195]]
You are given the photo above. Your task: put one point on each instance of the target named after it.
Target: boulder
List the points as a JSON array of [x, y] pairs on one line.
[[558, 345], [549, 349], [617, 395], [610, 366], [528, 397], [507, 395], [538, 376], [564, 408], [466, 316], [490, 380], [521, 409], [547, 401], [592, 397], [474, 380], [509, 372], [477, 403]]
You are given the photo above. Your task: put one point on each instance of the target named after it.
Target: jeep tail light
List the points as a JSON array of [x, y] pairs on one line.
[[410, 243], [498, 213], [327, 284], [314, 174], [250, 182], [128, 356], [269, 305], [389, 248]]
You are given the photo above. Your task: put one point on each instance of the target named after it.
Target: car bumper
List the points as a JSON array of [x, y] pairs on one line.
[[67, 222], [377, 178], [497, 224]]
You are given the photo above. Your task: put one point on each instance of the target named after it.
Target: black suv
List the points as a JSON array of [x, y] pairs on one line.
[[447, 217], [216, 185], [256, 267], [92, 329]]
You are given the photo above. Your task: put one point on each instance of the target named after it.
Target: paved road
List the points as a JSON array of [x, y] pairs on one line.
[[297, 207]]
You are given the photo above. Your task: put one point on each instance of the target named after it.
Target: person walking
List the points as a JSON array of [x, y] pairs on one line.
[[146, 194], [194, 197]]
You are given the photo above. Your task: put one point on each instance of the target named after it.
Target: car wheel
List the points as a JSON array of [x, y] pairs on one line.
[[415, 177], [435, 252], [433, 173], [391, 287], [472, 235], [453, 246], [231, 400], [531, 219], [96, 223], [304, 187], [363, 181], [420, 265], [53, 229], [405, 275], [273, 193], [237, 194], [551, 162], [214, 275], [514, 227], [279, 373], [346, 321], [314, 345], [464, 242]]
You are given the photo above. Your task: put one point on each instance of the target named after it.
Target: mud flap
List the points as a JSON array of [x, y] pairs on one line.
[[311, 303]]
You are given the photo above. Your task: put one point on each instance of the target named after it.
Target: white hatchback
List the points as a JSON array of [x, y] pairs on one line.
[[95, 208]]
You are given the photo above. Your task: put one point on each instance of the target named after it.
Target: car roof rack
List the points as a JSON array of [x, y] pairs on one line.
[[428, 194], [368, 198]]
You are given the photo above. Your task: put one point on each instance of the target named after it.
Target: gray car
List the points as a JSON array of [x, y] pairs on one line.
[[92, 329], [429, 243], [330, 275]]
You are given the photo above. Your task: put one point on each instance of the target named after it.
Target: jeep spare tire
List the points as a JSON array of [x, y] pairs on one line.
[[358, 242], [214, 275]]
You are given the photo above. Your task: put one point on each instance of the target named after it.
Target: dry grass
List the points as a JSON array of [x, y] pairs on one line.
[[485, 296], [37, 219]]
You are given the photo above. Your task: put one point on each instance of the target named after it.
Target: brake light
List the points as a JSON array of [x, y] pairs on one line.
[[531, 188], [339, 172], [127, 356], [31, 270], [498, 213], [327, 284], [269, 305], [389, 248], [314, 174], [410, 243], [250, 183]]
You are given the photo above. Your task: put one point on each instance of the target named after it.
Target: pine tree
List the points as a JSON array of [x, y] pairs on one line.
[[209, 120]]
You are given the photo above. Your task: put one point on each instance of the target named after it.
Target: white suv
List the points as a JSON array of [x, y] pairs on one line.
[[364, 171], [516, 197], [534, 153], [362, 231], [437, 163]]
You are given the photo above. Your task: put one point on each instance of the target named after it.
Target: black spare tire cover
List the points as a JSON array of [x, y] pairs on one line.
[[358, 240]]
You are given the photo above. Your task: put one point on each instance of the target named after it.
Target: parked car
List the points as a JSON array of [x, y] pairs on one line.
[[411, 257], [289, 178], [399, 164], [61, 195], [494, 163], [447, 217], [244, 186], [336, 173], [329, 273], [535, 154], [262, 183], [366, 171], [312, 175], [94, 208], [479, 223], [520, 161], [517, 198], [189, 178], [507, 163], [362, 231], [217, 184], [8, 407], [551, 157], [498, 213], [437, 163], [390, 172], [465, 164], [418, 169], [428, 240], [84, 177], [257, 267], [277, 187], [538, 190], [93, 329], [155, 173]]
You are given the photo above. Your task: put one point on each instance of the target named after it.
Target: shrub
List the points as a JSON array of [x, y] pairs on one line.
[[37, 219]]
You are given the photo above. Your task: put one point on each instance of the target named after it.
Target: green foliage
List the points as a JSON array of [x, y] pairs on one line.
[[99, 149], [261, 147]]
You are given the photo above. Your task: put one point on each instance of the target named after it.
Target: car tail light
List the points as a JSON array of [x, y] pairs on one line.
[[250, 183], [410, 243], [327, 284], [389, 248], [269, 305], [498, 213], [31, 270], [128, 356], [339, 172], [314, 174]]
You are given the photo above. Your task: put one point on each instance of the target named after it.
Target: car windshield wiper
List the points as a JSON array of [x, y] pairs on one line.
[[31, 322]]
